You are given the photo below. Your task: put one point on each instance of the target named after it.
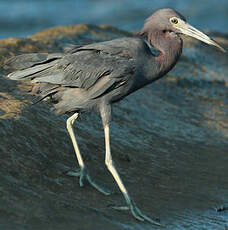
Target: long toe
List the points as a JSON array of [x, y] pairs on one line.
[[142, 217], [78, 173], [85, 177], [120, 208], [100, 188], [136, 213]]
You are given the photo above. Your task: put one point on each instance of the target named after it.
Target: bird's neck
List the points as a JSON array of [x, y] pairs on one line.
[[170, 47]]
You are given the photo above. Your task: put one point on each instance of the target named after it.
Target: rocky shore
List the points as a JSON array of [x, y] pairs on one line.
[[169, 142]]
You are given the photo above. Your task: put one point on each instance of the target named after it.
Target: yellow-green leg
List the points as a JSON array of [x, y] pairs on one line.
[[83, 173], [110, 165]]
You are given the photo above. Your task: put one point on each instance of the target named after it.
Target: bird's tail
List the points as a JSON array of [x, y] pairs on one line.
[[29, 66], [26, 66]]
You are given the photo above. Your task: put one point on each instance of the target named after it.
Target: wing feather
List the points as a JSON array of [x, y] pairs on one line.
[[82, 66], [88, 65]]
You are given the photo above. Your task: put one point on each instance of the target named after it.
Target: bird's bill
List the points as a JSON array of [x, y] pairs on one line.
[[191, 31]]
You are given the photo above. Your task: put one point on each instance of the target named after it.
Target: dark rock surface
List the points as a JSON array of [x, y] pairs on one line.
[[169, 142]]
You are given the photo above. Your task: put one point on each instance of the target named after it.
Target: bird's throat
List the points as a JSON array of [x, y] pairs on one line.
[[170, 48]]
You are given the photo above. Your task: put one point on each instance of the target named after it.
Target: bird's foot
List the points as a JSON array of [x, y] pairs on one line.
[[138, 214], [85, 177]]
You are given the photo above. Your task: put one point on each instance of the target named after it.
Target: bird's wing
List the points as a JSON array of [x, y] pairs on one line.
[[99, 64]]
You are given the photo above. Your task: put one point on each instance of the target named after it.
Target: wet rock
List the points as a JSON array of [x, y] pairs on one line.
[[169, 142]]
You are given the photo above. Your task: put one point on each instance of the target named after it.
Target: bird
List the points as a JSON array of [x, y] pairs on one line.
[[95, 76]]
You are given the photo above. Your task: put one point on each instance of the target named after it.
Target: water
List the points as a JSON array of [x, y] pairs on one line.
[[169, 140], [19, 18]]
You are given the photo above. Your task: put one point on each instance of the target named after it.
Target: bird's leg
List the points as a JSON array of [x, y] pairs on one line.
[[110, 165], [83, 173]]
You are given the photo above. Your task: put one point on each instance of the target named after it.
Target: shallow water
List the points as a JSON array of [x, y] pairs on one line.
[[19, 18]]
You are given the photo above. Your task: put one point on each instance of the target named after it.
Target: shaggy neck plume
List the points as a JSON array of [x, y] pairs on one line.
[[169, 45]]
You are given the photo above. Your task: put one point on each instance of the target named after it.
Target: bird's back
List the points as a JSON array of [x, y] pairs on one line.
[[91, 71]]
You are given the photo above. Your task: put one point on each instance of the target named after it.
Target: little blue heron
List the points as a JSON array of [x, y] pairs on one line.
[[94, 76]]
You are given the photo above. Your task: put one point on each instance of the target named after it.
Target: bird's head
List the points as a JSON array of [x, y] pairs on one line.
[[173, 24]]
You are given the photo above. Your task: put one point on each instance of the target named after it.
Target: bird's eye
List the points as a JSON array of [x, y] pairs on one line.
[[174, 20]]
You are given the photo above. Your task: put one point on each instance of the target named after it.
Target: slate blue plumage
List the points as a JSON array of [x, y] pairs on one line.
[[95, 76]]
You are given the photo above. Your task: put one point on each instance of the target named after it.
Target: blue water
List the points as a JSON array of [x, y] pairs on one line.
[[19, 18]]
